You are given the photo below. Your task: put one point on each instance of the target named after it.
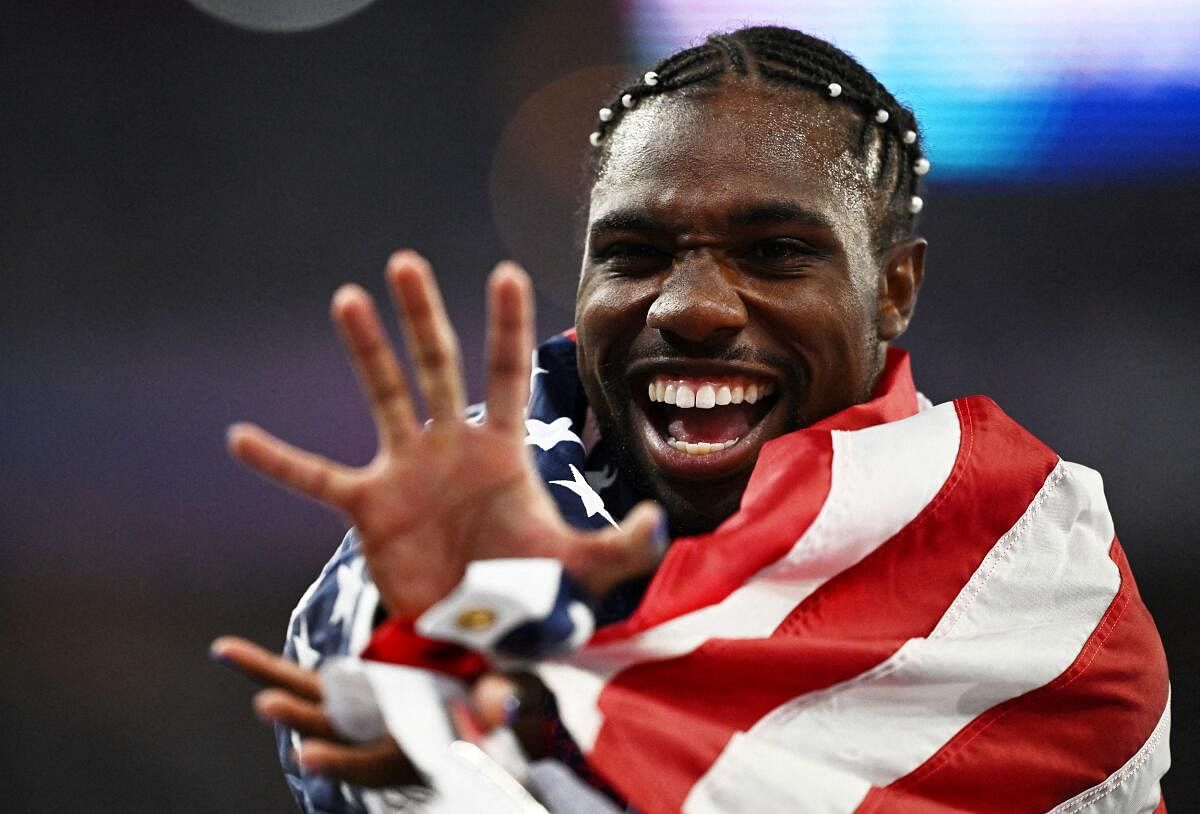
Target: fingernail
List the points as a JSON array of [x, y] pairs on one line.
[[231, 432], [306, 760], [346, 293], [512, 709], [260, 711], [662, 537], [217, 655]]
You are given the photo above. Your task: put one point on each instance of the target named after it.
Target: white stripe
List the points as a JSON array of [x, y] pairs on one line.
[[759, 770], [1019, 622], [1132, 789], [882, 478]]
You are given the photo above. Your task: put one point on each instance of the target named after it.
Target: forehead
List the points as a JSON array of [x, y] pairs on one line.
[[734, 144]]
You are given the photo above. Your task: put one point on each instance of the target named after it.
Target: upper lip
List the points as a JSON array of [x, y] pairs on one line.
[[699, 368]]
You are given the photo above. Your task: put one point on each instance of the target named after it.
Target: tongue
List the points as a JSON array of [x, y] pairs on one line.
[[713, 425]]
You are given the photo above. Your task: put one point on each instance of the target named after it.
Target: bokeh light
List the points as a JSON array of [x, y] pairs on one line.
[[280, 15], [1017, 90]]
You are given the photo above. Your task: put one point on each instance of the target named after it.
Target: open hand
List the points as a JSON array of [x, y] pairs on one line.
[[438, 496], [292, 697]]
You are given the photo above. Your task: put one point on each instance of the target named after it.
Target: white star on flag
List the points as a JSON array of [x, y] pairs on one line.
[[592, 502], [548, 436], [349, 585], [602, 478], [306, 655]]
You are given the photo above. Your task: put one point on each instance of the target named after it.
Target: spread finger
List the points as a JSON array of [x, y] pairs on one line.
[[306, 472], [378, 370], [509, 346], [430, 339], [266, 667], [282, 707]]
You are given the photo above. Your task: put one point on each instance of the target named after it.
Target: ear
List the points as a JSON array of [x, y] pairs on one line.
[[899, 278]]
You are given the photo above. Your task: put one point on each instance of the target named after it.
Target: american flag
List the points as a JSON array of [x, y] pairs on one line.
[[916, 609]]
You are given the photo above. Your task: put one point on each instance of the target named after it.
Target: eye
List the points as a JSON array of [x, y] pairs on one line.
[[784, 251], [630, 256]]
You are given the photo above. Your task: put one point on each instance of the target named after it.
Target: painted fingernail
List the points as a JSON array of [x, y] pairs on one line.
[[512, 709], [216, 654], [662, 537]]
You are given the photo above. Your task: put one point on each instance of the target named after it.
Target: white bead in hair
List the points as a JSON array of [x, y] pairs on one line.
[[915, 204], [628, 101], [835, 90], [606, 114], [910, 136], [595, 138], [881, 116], [651, 78], [921, 165]]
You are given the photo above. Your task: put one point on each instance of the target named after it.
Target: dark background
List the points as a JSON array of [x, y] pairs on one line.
[[178, 198]]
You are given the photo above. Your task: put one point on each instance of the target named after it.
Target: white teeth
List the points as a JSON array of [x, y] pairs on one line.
[[685, 397], [706, 396], [701, 448]]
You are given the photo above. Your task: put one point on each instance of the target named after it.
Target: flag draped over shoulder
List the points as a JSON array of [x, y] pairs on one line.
[[914, 610]]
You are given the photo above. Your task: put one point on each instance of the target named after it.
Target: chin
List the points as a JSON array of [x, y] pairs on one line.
[[692, 506], [701, 507]]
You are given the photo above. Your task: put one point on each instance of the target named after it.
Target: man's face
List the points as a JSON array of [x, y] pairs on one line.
[[729, 287]]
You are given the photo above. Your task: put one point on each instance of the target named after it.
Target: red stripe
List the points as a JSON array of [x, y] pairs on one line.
[[396, 641], [666, 722], [1045, 746]]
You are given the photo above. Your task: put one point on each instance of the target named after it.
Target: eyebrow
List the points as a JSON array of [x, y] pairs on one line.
[[753, 215], [625, 221], [777, 212]]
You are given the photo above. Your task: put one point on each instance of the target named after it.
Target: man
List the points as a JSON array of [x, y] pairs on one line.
[[871, 603]]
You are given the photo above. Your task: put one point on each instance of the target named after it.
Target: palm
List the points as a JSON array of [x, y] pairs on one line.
[[463, 494], [436, 497]]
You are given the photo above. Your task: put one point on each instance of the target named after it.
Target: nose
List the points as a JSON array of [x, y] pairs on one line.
[[699, 302]]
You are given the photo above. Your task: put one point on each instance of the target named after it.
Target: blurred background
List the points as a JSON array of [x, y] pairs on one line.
[[182, 186]]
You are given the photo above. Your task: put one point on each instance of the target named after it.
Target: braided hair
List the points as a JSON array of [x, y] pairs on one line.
[[887, 130]]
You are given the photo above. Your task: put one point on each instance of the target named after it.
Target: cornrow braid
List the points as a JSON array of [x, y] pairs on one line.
[[784, 56], [733, 52]]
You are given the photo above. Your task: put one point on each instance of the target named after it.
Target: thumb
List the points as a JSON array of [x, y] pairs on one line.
[[519, 701], [599, 560]]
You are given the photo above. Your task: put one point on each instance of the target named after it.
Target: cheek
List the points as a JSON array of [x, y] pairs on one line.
[[815, 312], [606, 312]]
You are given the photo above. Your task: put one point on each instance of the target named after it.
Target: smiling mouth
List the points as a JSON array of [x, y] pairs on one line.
[[708, 416], [706, 425]]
